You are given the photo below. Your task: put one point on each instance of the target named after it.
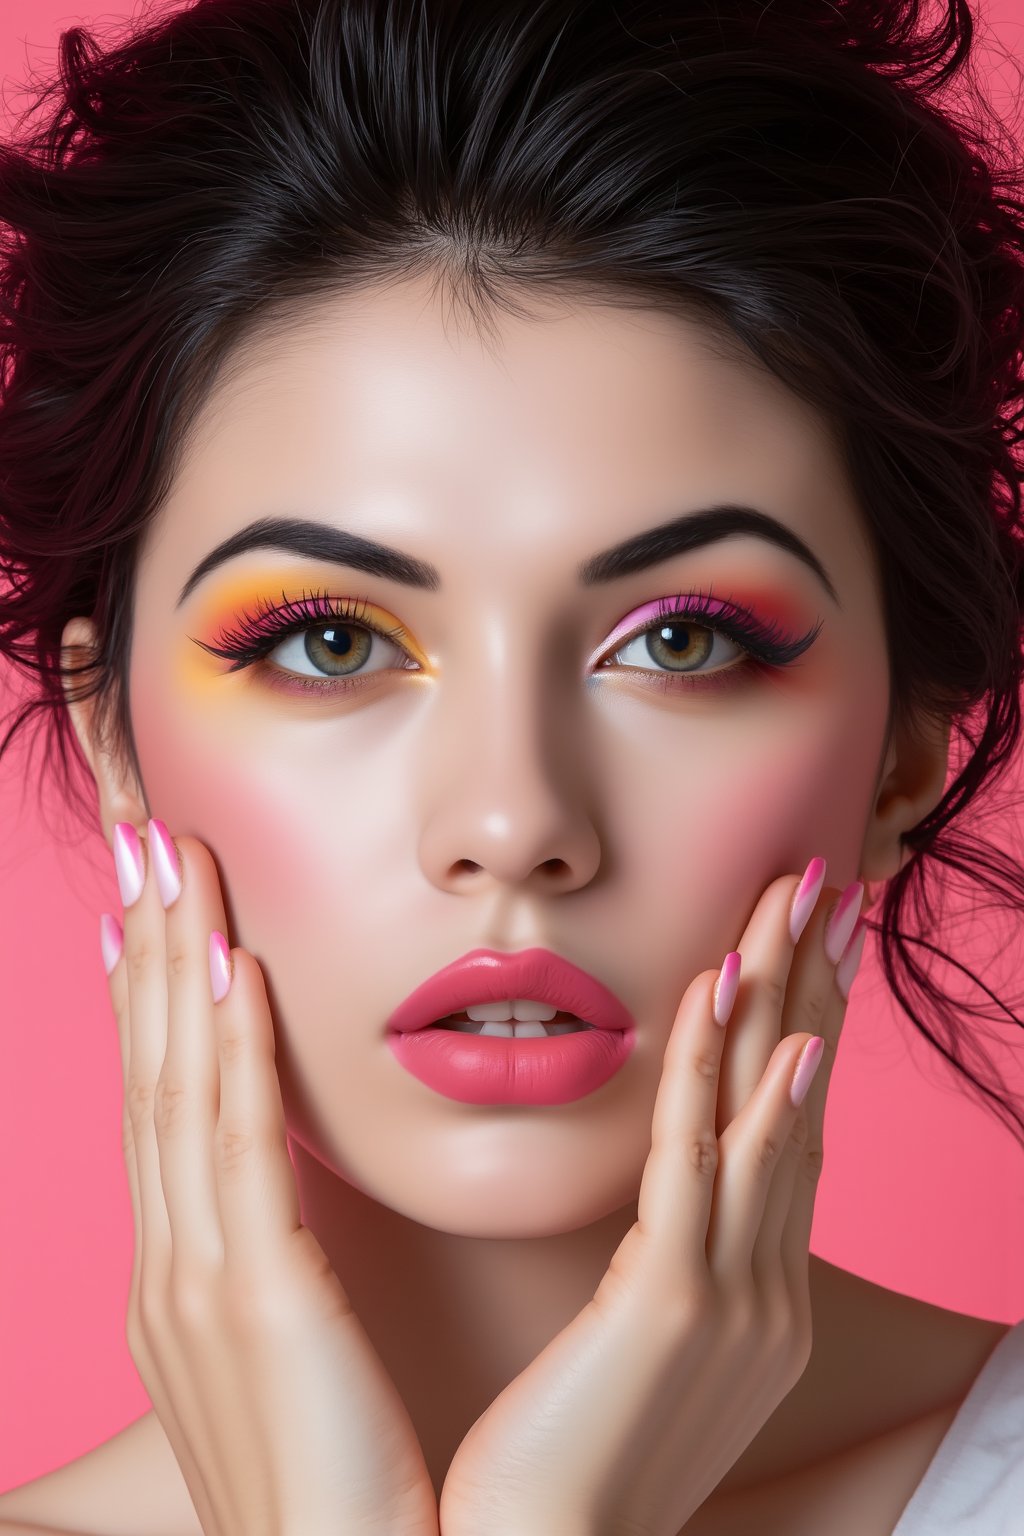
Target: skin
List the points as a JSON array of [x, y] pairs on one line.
[[507, 795]]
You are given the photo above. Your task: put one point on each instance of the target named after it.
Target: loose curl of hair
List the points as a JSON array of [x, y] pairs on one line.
[[799, 176]]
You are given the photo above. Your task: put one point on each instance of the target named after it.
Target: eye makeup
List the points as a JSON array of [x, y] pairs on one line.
[[763, 625]]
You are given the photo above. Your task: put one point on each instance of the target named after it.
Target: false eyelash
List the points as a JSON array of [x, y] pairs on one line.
[[257, 635], [768, 642]]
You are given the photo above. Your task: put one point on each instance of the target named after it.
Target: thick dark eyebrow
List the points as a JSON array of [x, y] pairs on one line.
[[692, 530]]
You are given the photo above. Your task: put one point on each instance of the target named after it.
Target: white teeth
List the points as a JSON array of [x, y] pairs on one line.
[[509, 1030], [517, 1008]]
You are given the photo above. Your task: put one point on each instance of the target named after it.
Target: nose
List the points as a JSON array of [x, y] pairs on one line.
[[509, 783]]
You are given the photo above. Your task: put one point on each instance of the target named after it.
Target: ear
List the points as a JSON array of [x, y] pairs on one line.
[[910, 784], [117, 787]]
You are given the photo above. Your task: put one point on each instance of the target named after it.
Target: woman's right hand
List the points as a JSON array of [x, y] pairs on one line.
[[281, 1414]]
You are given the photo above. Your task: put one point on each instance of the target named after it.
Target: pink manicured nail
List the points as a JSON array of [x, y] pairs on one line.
[[165, 862], [803, 1077], [807, 894], [726, 986], [128, 862], [846, 970], [843, 921], [220, 965], [111, 941]]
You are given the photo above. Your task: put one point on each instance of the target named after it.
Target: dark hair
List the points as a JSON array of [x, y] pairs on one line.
[[783, 173]]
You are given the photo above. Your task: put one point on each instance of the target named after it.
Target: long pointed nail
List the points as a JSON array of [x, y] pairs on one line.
[[807, 894], [111, 941], [165, 862], [128, 862], [843, 921]]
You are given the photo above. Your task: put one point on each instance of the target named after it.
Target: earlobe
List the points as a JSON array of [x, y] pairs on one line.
[[118, 792]]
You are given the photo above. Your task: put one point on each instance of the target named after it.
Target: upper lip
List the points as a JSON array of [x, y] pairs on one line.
[[490, 975]]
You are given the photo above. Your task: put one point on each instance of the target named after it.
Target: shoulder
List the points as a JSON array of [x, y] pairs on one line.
[[130, 1485]]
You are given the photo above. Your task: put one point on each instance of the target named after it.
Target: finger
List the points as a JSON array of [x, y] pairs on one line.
[[678, 1179], [767, 947], [750, 1152], [808, 1008], [796, 1235], [185, 1111], [112, 947], [145, 972], [257, 1194], [188, 1088]]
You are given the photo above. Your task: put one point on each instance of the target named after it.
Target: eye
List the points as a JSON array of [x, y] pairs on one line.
[[340, 649], [691, 638], [317, 644], [679, 645]]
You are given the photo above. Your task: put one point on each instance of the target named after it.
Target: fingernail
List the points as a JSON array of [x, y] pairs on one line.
[[846, 970], [165, 862], [843, 921], [726, 986], [128, 862], [807, 894], [806, 1067], [220, 965], [111, 941]]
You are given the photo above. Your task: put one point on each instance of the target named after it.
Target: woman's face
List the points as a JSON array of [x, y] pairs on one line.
[[493, 778]]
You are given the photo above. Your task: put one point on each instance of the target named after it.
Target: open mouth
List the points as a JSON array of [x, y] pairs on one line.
[[513, 1029]]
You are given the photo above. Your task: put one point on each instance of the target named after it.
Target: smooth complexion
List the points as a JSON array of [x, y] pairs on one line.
[[488, 783]]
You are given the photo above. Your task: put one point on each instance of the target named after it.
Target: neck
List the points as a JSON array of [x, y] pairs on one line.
[[453, 1318]]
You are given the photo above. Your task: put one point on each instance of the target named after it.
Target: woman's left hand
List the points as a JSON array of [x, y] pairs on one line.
[[627, 1421]]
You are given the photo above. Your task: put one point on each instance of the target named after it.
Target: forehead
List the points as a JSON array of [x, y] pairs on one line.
[[386, 411]]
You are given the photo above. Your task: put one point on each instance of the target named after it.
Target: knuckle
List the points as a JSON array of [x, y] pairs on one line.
[[774, 990], [177, 955], [192, 1302], [768, 1148], [254, 1307], [231, 1043], [702, 1153], [233, 1148], [151, 1310], [800, 1133], [169, 1105], [139, 1099], [812, 1160], [814, 1006], [139, 959], [704, 1065], [744, 1308]]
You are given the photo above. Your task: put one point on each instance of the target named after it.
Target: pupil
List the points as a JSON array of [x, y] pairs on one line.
[[337, 646], [670, 629]]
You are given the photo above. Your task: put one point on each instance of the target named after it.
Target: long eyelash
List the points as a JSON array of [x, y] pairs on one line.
[[257, 635], [767, 642]]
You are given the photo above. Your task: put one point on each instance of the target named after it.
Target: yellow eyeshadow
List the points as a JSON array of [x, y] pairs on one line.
[[256, 593]]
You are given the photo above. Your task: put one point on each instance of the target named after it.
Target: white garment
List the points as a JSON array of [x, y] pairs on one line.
[[974, 1484]]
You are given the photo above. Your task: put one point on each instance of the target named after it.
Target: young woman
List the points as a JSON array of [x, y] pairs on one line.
[[512, 505]]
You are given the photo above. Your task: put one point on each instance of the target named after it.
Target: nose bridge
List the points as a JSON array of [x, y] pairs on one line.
[[508, 752]]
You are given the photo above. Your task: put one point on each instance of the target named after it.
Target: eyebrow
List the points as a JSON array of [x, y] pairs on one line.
[[679, 536]]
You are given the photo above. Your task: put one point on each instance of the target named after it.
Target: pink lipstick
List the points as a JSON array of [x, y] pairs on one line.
[[488, 1069]]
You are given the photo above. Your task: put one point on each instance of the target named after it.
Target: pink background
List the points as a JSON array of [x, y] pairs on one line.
[[922, 1191]]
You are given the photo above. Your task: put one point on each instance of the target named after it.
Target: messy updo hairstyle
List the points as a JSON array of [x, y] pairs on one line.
[[824, 184]]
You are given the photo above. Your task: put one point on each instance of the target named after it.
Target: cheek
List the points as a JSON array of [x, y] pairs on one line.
[[295, 822], [707, 816]]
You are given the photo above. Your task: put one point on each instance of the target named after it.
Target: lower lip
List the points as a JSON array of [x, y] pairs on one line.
[[491, 1069]]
